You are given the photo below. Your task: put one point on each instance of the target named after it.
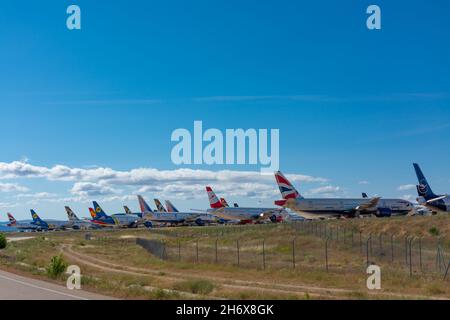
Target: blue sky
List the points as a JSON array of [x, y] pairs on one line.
[[354, 107]]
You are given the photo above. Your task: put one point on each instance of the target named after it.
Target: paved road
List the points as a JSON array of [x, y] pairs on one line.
[[14, 287]]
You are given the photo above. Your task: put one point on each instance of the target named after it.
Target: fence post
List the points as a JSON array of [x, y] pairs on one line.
[[446, 270], [380, 244], [237, 247], [360, 242], [216, 257], [406, 250], [264, 253], [420, 254], [326, 253], [293, 253], [410, 256], [392, 247], [179, 250], [197, 250], [367, 249], [352, 237]]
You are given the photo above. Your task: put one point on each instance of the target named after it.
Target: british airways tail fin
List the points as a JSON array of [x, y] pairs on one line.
[[287, 190], [214, 202], [423, 189], [170, 207], [12, 220]]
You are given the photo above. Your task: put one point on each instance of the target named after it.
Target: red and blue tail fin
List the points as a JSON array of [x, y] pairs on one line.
[[170, 207], [287, 190], [145, 208]]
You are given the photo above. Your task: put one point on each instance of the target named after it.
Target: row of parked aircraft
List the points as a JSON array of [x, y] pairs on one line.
[[221, 212]]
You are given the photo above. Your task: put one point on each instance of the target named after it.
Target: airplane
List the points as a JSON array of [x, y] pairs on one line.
[[170, 207], [173, 217], [120, 220], [159, 206], [225, 203], [241, 214], [322, 207], [437, 203], [47, 225], [392, 207], [78, 224], [21, 226]]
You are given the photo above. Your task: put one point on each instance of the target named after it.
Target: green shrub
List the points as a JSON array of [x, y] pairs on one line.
[[2, 241], [195, 286], [56, 267], [434, 231]]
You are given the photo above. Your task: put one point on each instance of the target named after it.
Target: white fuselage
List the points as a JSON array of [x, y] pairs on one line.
[[325, 208], [242, 213]]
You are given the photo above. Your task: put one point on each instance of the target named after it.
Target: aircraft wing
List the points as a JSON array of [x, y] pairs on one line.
[[371, 204], [437, 199]]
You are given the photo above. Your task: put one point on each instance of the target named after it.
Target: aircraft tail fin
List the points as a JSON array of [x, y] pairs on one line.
[[423, 189], [364, 195], [99, 213], [159, 206], [236, 205], [145, 208], [170, 207], [71, 215], [93, 214], [287, 190], [214, 202], [224, 202], [12, 220], [36, 217], [127, 210]]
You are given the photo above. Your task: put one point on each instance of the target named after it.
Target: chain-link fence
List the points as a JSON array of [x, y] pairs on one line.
[[306, 244]]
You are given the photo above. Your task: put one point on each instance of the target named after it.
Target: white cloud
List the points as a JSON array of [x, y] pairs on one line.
[[325, 190], [406, 187], [181, 183], [12, 187], [364, 182], [89, 189]]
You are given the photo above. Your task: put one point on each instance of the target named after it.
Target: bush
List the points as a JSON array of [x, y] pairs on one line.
[[56, 267], [2, 241], [434, 231], [195, 286]]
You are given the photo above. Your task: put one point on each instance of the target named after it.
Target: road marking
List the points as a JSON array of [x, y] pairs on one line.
[[42, 288]]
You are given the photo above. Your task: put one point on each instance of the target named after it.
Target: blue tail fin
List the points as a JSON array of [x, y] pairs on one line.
[[423, 189], [37, 220], [99, 211]]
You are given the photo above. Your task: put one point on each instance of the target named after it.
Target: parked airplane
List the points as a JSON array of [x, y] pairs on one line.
[[116, 220], [224, 203], [47, 225], [321, 207], [241, 214], [173, 217], [170, 207], [392, 207], [427, 197], [76, 223], [21, 226], [159, 206]]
